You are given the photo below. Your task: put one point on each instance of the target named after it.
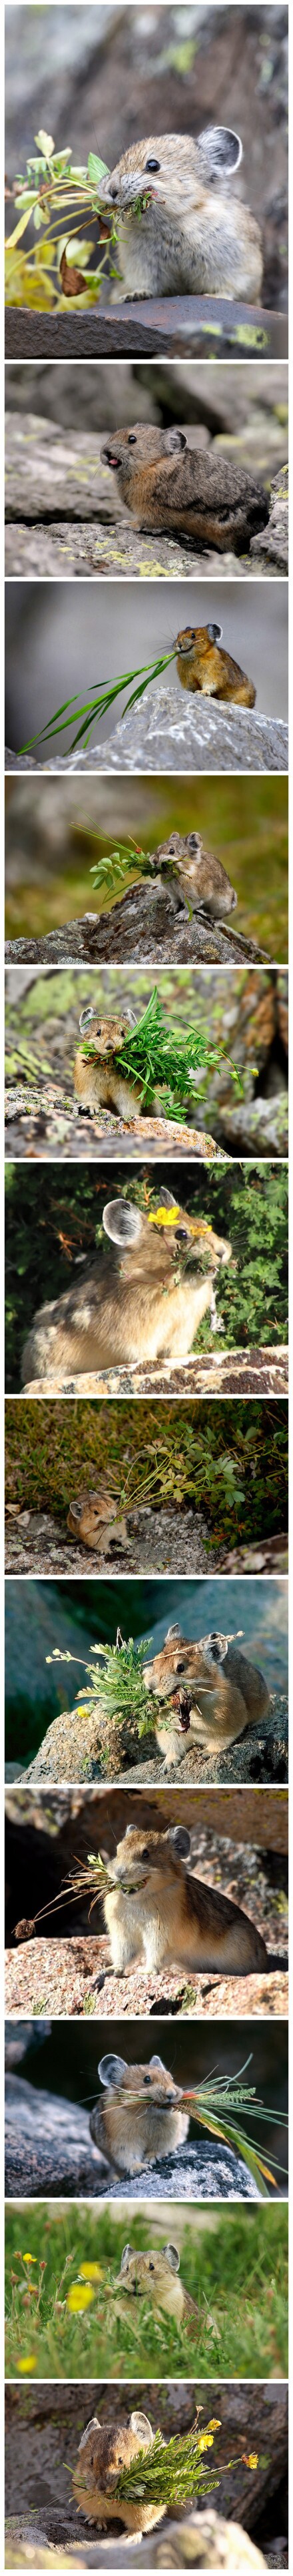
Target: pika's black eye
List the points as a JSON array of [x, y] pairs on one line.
[[147, 2079], [180, 1667], [152, 165], [145, 1854], [151, 2267], [132, 441]]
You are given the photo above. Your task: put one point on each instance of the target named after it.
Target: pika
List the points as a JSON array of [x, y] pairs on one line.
[[212, 1693], [134, 1304], [93, 1521], [178, 232], [202, 666], [157, 1909], [196, 879], [104, 2450], [140, 2119], [155, 2276], [166, 484], [97, 1080]]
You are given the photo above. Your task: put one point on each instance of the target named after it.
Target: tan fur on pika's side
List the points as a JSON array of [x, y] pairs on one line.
[[155, 2276], [157, 1909], [212, 1691], [166, 484], [195, 876], [140, 2118], [179, 232], [203, 665], [103, 2451], [136, 1303], [97, 1080]]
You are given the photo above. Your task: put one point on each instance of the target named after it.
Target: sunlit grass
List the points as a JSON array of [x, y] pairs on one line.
[[235, 2269]]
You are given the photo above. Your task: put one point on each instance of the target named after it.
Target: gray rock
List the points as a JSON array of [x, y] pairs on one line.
[[48, 2143], [171, 730], [271, 546], [212, 2543], [48, 2147], [143, 927], [71, 1750]]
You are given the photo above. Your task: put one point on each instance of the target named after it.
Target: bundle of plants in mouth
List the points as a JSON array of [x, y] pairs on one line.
[[173, 2472], [160, 1058]]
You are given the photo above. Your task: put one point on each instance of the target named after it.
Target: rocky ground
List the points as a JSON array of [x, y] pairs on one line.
[[161, 1542], [62, 1977], [232, 1372], [64, 519], [143, 927], [43, 1122], [159, 734], [72, 1751]]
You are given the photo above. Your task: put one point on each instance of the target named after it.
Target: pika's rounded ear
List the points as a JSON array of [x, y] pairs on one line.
[[140, 2424], [121, 1221], [215, 633], [171, 1633], [217, 1647], [131, 1016], [175, 439], [111, 2069], [172, 2257], [126, 2258], [85, 1019], [104, 1855], [195, 842], [220, 150], [158, 2061], [181, 1838], [93, 2427]]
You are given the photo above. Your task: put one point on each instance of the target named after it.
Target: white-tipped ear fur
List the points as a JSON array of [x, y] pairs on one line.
[[92, 2427], [125, 2258], [158, 2062], [111, 2069], [175, 1633], [217, 1647], [181, 1839], [167, 1200], [172, 2256], [140, 2424], [122, 1222], [175, 440], [215, 633], [220, 151], [85, 1018], [131, 1016]]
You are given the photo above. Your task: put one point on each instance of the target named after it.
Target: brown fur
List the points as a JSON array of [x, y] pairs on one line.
[[129, 1305], [103, 2451], [93, 1521], [195, 877], [226, 1694], [97, 1081], [189, 237], [139, 2118], [166, 484], [157, 1909], [203, 665]]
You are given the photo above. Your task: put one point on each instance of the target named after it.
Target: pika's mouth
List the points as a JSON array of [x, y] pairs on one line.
[[110, 459], [181, 1702]]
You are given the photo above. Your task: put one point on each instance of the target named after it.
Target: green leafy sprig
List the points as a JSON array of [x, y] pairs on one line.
[[94, 708]]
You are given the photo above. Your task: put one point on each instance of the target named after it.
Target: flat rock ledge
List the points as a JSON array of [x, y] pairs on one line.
[[74, 1976], [233, 1372], [162, 735], [143, 927], [49, 2149], [52, 1115], [212, 2543], [73, 1746]]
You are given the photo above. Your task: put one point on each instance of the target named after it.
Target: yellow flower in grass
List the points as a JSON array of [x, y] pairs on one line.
[[91, 2272], [28, 2361], [79, 2297], [29, 2258]]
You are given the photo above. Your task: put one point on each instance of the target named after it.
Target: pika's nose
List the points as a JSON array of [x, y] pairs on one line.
[[113, 192]]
